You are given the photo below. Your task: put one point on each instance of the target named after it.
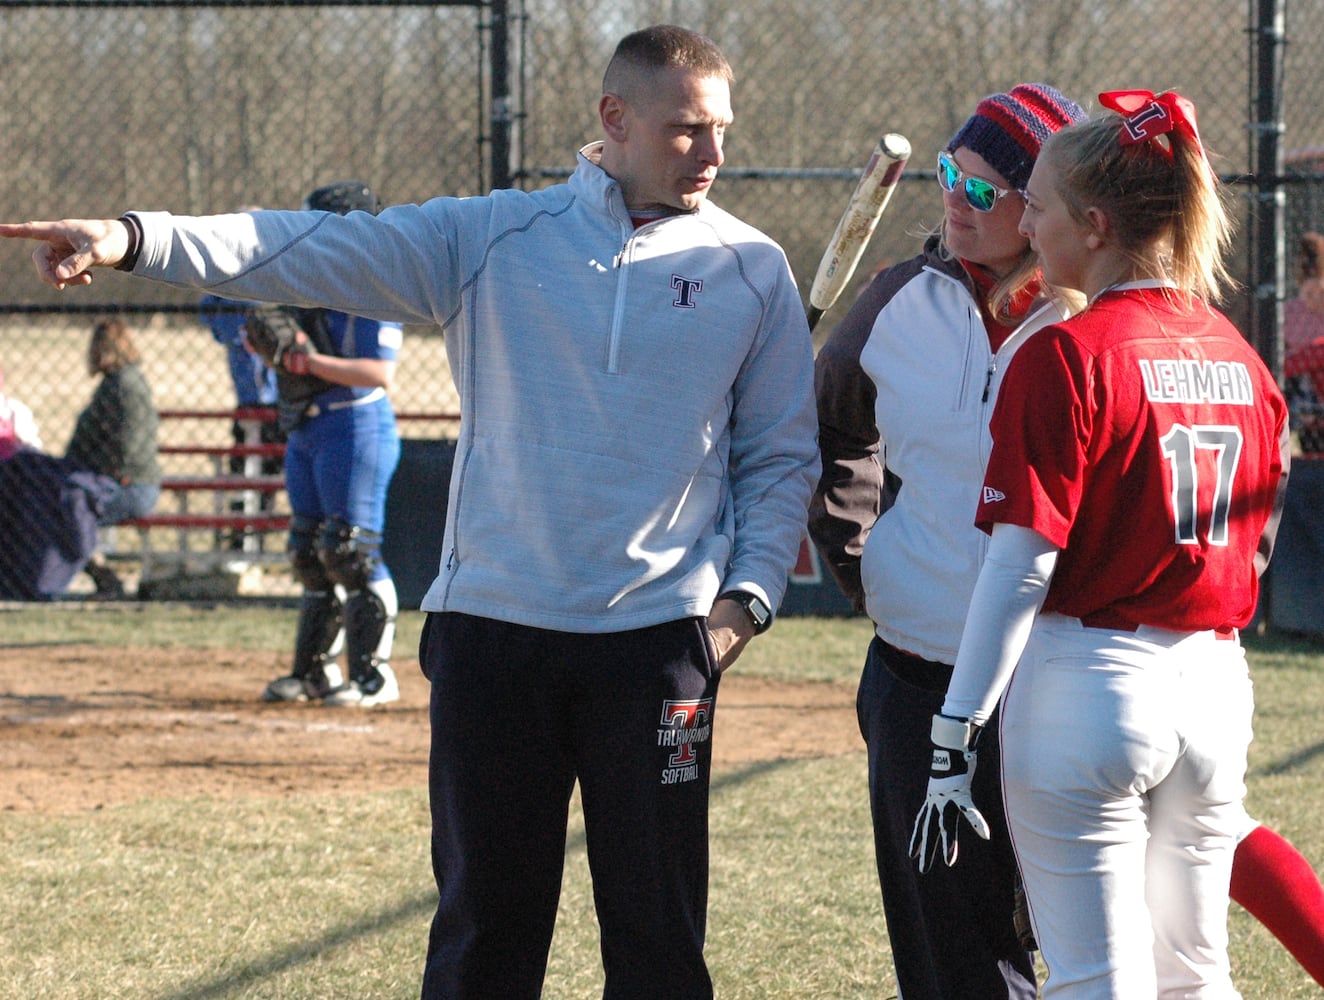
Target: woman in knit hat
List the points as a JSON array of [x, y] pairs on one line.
[[906, 385]]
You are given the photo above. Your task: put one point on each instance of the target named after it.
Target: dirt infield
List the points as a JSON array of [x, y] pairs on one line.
[[83, 727]]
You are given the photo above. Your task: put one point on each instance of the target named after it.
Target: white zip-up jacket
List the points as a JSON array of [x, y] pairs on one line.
[[904, 401], [637, 418]]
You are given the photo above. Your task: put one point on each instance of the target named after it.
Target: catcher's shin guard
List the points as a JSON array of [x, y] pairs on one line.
[[370, 630], [319, 636], [352, 557], [349, 554]]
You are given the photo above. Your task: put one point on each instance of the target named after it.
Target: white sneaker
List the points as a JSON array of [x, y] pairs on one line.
[[381, 689], [310, 688]]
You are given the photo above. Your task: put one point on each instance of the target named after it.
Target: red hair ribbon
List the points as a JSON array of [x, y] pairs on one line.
[[1149, 115]]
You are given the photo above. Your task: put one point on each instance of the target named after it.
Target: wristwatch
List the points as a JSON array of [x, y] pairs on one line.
[[757, 608]]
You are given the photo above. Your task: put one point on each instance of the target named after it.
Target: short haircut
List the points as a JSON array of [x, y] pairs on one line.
[[663, 46]]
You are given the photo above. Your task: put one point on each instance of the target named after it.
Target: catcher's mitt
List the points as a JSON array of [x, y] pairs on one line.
[[273, 334], [277, 335]]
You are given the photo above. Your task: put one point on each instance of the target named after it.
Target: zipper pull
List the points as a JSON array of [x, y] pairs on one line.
[[988, 378]]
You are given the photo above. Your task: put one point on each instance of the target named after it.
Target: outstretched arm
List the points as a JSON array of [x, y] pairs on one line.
[[70, 248]]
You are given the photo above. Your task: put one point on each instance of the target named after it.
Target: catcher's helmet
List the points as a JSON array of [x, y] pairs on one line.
[[342, 197]]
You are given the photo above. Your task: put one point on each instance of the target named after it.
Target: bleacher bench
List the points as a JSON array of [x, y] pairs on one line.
[[227, 490]]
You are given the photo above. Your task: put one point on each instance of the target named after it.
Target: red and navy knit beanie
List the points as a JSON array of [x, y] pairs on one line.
[[1008, 129]]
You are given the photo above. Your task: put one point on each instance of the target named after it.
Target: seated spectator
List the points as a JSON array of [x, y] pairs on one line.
[[1303, 315], [116, 438], [18, 428]]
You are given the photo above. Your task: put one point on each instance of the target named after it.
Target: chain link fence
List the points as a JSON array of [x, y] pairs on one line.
[[206, 107]]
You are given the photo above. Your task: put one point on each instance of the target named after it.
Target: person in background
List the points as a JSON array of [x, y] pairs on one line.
[[1271, 879], [254, 383], [905, 387], [254, 389], [1132, 494], [343, 448], [18, 427], [1303, 345], [1303, 314], [115, 437]]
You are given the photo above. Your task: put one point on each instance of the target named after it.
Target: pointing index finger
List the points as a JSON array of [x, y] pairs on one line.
[[28, 230], [71, 247]]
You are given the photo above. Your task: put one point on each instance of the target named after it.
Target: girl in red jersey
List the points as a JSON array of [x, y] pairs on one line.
[[1132, 495]]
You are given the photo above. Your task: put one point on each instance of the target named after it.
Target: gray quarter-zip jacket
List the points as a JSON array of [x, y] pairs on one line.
[[637, 428]]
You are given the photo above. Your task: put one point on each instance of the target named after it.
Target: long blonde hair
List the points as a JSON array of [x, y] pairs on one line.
[[1161, 197], [1006, 289]]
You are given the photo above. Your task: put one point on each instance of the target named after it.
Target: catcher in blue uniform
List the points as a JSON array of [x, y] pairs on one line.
[[333, 373]]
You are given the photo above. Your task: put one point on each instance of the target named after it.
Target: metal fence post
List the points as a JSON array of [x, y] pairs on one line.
[[1268, 203]]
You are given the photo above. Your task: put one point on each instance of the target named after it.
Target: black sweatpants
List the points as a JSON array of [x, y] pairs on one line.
[[518, 715], [950, 929]]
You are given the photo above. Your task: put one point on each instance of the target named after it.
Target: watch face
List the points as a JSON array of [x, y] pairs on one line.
[[757, 608], [759, 612]]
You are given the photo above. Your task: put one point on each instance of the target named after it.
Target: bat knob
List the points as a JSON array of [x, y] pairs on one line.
[[896, 146]]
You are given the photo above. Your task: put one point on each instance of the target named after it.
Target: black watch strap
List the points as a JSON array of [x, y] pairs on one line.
[[135, 245]]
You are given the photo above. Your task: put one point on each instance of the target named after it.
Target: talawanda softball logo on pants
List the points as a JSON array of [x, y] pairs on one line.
[[684, 723]]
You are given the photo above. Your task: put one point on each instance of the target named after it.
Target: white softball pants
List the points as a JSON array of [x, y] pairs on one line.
[[1124, 761]]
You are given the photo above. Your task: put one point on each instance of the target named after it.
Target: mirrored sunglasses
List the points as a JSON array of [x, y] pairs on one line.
[[982, 195]]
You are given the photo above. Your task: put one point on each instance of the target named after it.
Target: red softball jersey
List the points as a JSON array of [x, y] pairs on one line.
[[1149, 443]]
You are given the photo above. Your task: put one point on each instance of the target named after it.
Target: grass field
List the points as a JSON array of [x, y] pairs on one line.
[[329, 896]]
